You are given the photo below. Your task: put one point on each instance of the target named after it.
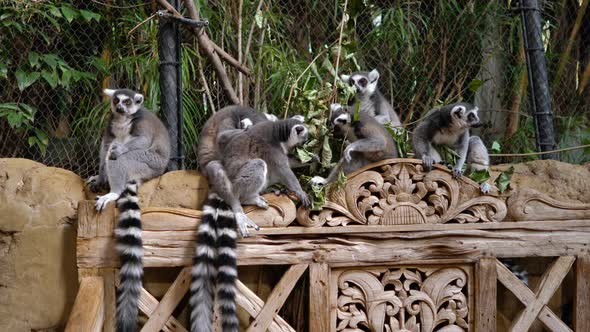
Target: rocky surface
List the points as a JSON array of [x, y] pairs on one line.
[[38, 276], [561, 181]]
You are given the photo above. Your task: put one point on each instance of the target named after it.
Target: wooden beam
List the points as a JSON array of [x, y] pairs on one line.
[[277, 298], [175, 248], [546, 288], [319, 297], [88, 311], [169, 302], [582, 294], [527, 297], [148, 304], [485, 295], [250, 302]]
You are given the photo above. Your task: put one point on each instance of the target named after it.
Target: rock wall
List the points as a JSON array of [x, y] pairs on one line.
[[38, 276]]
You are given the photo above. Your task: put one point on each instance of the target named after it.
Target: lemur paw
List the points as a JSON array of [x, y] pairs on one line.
[[243, 223], [261, 202], [102, 201], [335, 107], [318, 181], [304, 198], [427, 162], [485, 188], [457, 172], [93, 183]]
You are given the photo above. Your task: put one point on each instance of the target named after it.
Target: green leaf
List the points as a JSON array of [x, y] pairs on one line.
[[55, 11], [88, 15], [9, 106], [69, 13], [503, 181], [474, 85], [303, 155], [66, 76], [357, 111], [3, 71], [480, 176], [24, 79], [51, 60], [15, 119], [51, 78], [496, 147], [326, 153], [259, 18], [34, 59]]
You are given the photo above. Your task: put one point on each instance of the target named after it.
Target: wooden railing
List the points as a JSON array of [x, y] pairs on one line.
[[396, 249]]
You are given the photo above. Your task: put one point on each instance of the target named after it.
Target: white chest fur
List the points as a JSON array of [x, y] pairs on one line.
[[121, 129]]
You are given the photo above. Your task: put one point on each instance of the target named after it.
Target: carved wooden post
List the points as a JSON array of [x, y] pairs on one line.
[[319, 297], [582, 295], [485, 295]]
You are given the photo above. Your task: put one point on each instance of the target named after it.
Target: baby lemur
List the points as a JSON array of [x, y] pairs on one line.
[[370, 142]]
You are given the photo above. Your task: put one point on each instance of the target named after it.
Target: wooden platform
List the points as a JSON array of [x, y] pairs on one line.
[[397, 250]]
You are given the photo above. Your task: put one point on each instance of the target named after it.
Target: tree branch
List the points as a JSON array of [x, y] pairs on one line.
[[207, 45]]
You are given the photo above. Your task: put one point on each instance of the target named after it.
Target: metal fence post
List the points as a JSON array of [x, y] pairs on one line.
[[539, 96], [170, 89]]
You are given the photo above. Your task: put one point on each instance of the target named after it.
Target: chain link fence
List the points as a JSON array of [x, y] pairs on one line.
[[57, 56]]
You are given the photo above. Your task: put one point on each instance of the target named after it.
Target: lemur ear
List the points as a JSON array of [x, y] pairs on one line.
[[458, 110], [138, 98], [345, 78], [109, 92], [373, 75]]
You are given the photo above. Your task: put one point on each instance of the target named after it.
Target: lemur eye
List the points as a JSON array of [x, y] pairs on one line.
[[471, 117], [127, 102], [351, 82], [363, 82], [115, 100]]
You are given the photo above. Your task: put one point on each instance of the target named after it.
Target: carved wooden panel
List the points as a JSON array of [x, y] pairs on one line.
[[528, 205], [411, 298], [399, 191]]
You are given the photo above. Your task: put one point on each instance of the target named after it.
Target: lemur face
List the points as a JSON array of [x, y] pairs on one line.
[[465, 115], [340, 120], [124, 102], [364, 82]]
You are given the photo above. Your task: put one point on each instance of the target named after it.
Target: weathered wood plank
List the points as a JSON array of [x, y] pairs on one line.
[[250, 302], [319, 297], [485, 295], [169, 302], [582, 295], [148, 304], [91, 223], [393, 247], [109, 275], [88, 311], [276, 299], [526, 296], [547, 286]]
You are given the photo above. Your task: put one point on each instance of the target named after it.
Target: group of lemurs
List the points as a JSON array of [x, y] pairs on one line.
[[242, 152]]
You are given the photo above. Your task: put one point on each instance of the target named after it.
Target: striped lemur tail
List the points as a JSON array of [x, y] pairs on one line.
[[214, 262], [130, 248]]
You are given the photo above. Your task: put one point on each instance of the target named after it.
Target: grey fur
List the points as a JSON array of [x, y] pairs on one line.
[[448, 125], [478, 159], [372, 101], [209, 155], [263, 146], [135, 145], [369, 142]]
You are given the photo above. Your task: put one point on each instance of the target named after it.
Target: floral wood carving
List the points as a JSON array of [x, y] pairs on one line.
[[398, 192], [403, 299]]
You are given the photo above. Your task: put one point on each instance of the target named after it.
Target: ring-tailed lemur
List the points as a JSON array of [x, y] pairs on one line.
[[210, 155], [372, 101], [370, 142], [253, 159], [448, 125], [135, 145]]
